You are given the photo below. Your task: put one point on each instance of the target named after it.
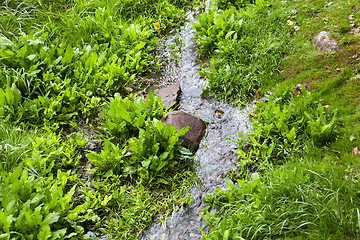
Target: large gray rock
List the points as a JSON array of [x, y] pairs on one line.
[[170, 94], [197, 127], [324, 43]]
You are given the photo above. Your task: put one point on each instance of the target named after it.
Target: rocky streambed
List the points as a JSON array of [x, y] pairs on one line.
[[214, 155]]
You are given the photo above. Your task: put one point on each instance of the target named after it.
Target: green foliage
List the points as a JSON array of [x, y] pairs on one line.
[[35, 208], [292, 202], [283, 127], [221, 4], [51, 82], [125, 116], [68, 68], [244, 46], [148, 149], [156, 153], [124, 211]]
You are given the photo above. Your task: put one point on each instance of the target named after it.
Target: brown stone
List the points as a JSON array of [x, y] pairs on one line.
[[197, 127], [170, 94]]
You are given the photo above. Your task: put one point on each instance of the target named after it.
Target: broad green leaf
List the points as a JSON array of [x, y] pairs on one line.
[[2, 98], [16, 186], [17, 94], [22, 52], [16, 173], [255, 177], [59, 234], [10, 97], [291, 135], [68, 56], [4, 221], [5, 236], [52, 218], [5, 42], [31, 57], [129, 170], [45, 232]]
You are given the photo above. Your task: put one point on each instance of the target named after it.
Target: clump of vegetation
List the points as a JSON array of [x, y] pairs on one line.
[[69, 67], [283, 127], [300, 163], [144, 147], [298, 200], [61, 61], [244, 46]]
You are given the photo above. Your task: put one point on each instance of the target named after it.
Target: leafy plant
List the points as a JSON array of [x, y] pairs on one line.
[[282, 128], [294, 201], [146, 148], [125, 116], [36, 208], [244, 47], [156, 153]]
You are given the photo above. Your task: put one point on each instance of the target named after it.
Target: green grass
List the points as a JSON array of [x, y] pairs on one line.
[[313, 193], [61, 62], [301, 200], [243, 46], [15, 145]]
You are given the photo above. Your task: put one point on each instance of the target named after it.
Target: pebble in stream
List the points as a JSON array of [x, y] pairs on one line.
[[214, 154]]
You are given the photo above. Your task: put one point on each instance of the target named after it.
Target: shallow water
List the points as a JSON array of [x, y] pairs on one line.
[[215, 154]]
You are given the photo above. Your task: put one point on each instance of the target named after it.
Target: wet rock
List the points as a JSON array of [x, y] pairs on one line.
[[324, 43], [197, 127], [170, 94]]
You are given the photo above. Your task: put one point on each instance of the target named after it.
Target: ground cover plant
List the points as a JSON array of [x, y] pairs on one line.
[[310, 127], [76, 58], [244, 47], [64, 62]]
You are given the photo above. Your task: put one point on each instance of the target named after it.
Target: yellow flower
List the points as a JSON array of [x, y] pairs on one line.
[[289, 22], [157, 26]]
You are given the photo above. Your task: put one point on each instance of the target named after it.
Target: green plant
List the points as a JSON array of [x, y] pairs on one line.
[[156, 153], [145, 147], [282, 128], [294, 201], [36, 208], [124, 117], [244, 47]]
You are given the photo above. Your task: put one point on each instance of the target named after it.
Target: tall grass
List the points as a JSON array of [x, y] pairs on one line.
[[15, 145], [295, 201], [244, 46]]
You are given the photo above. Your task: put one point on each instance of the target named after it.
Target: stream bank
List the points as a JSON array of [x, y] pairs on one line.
[[215, 156]]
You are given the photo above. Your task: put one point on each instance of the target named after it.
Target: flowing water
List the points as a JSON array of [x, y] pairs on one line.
[[215, 154]]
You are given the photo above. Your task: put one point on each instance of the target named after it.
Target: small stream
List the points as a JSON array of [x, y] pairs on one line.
[[215, 154]]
